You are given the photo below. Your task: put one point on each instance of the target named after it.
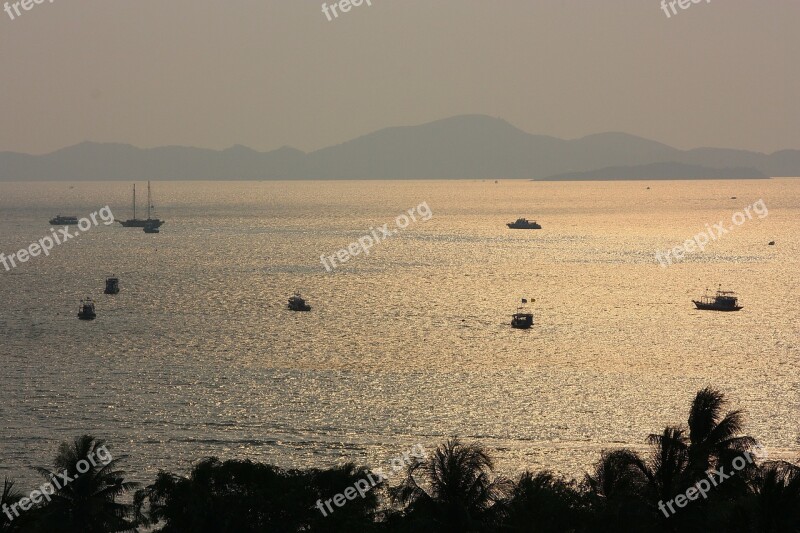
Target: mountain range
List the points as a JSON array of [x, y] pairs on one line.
[[467, 146]]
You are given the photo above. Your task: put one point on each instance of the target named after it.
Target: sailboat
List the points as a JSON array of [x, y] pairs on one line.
[[138, 222]]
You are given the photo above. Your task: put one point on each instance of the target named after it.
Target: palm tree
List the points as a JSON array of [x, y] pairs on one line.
[[618, 475], [670, 459], [629, 493], [618, 493], [714, 440], [8, 497], [773, 505], [458, 490], [679, 461], [87, 502]]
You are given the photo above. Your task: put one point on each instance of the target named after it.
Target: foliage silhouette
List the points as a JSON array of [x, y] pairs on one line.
[[455, 489], [88, 503]]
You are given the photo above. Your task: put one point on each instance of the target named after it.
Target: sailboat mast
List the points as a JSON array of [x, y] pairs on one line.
[[134, 201]]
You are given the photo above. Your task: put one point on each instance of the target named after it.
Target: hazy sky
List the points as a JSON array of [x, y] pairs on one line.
[[268, 73]]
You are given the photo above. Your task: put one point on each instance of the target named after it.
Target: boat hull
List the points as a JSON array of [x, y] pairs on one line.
[[522, 321], [515, 226], [140, 223], [712, 307]]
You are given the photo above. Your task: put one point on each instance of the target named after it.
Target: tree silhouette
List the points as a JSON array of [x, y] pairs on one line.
[[88, 503], [452, 490], [243, 497], [8, 497], [543, 503], [773, 502], [714, 440]]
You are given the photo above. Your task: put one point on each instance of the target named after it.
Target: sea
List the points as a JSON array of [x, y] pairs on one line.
[[407, 345]]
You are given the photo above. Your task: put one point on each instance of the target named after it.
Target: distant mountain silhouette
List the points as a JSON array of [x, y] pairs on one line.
[[468, 146], [660, 171]]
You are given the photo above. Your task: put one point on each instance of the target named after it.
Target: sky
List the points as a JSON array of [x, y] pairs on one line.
[[272, 73]]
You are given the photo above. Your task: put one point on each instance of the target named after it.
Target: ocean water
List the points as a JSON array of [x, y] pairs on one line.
[[408, 345]]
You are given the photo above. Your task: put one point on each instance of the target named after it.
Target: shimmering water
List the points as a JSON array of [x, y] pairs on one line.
[[198, 356]]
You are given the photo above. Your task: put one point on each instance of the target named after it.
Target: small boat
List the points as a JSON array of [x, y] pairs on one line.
[[151, 227], [523, 223], [112, 286], [86, 310], [722, 301], [61, 220], [297, 303], [771, 243], [523, 318]]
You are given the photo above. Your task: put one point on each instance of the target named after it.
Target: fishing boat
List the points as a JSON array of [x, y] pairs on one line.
[[297, 303], [86, 309], [61, 220], [523, 318], [523, 223], [112, 286], [722, 301], [138, 222]]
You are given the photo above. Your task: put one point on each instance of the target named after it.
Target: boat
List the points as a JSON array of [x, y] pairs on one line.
[[138, 222], [722, 301], [86, 310], [523, 223], [297, 303], [61, 220], [151, 228], [112, 286], [523, 318]]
